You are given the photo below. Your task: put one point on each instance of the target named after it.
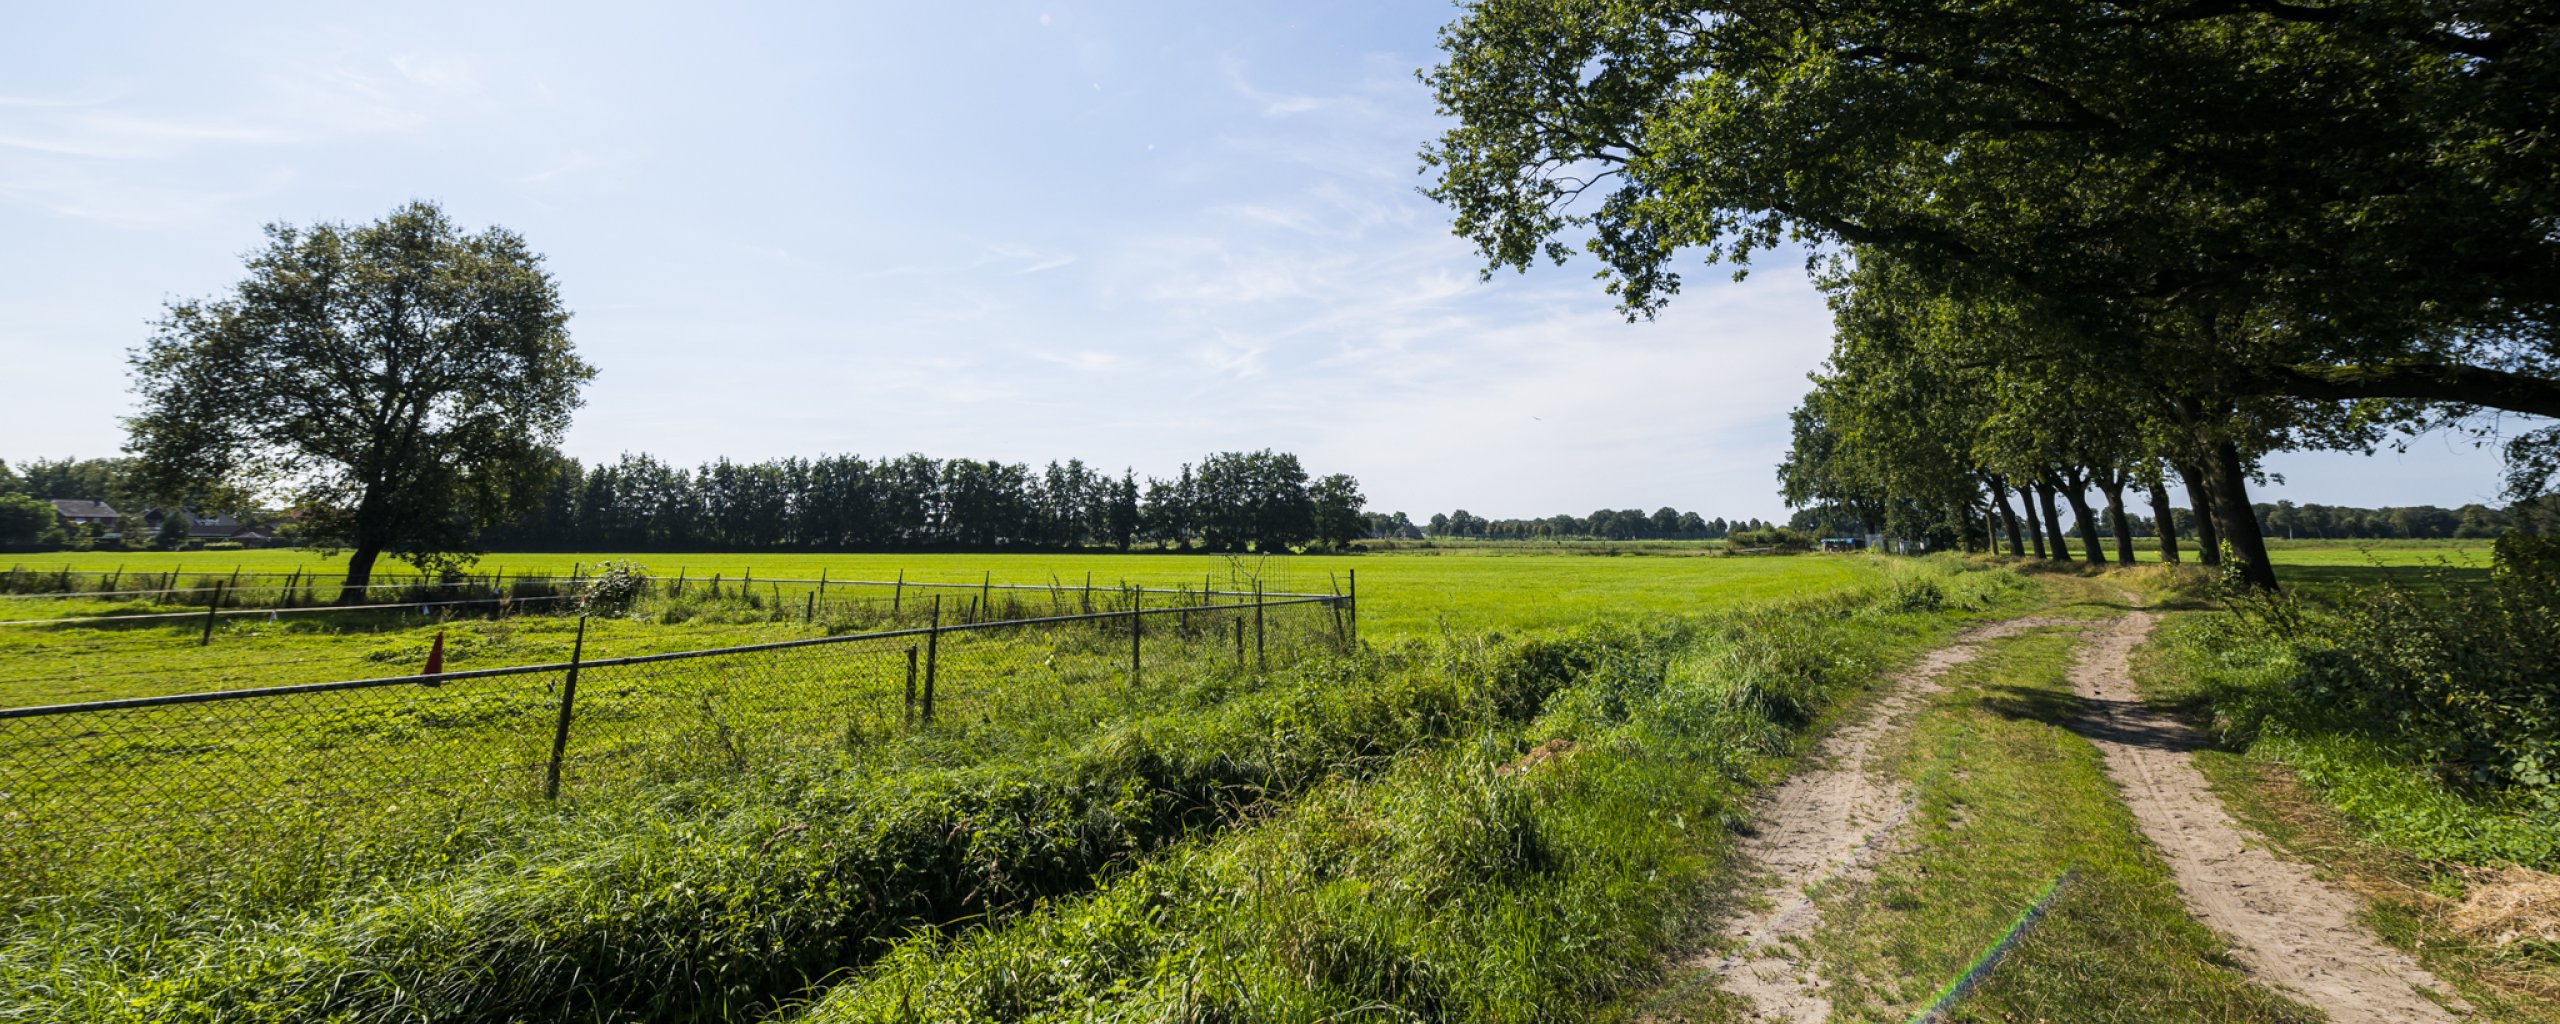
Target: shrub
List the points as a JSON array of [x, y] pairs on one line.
[[613, 588], [2458, 676]]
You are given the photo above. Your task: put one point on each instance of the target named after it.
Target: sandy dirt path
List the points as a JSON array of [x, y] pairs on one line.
[[1827, 824], [2290, 930]]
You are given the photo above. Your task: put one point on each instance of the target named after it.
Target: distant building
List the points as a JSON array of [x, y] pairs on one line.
[[200, 528], [76, 513]]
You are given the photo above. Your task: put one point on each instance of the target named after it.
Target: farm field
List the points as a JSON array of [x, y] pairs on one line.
[[1402, 593], [1049, 774], [776, 841]]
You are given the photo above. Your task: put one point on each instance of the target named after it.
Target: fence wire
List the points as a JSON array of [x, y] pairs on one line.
[[184, 772]]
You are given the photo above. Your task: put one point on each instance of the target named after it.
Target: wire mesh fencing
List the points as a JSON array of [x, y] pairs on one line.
[[184, 773]]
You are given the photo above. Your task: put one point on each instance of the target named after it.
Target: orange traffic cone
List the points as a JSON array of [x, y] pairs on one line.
[[435, 656]]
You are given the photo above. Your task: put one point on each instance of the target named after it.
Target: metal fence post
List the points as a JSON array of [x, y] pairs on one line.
[[910, 717], [1239, 643], [211, 608], [568, 701], [809, 611], [898, 596], [932, 657], [1137, 631], [1260, 662]]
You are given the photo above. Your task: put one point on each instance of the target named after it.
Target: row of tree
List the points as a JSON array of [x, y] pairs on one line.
[[1228, 501], [1664, 523], [2125, 248]]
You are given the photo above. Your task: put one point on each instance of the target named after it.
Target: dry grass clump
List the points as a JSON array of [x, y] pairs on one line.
[[2508, 906]]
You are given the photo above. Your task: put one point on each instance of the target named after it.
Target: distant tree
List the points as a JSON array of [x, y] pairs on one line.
[[1338, 501], [79, 479], [1124, 510], [171, 535], [26, 521], [402, 381], [9, 482]]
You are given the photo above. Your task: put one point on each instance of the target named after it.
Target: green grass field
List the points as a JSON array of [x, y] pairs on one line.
[[1402, 593], [1344, 834]]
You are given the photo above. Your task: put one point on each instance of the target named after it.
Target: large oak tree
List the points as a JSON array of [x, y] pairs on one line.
[[399, 382]]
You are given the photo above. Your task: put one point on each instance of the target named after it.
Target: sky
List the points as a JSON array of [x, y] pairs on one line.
[[1127, 233]]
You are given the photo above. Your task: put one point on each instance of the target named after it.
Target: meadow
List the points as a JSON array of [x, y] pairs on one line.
[[1511, 800], [729, 877], [1402, 593]]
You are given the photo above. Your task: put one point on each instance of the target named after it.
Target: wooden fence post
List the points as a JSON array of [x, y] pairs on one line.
[[1355, 606], [568, 701], [932, 657], [211, 608]]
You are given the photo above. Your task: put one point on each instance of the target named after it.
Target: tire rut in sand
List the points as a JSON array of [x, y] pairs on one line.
[[1827, 824], [2290, 930]]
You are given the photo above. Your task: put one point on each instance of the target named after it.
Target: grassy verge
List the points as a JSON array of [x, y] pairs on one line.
[[1538, 871], [2008, 797]]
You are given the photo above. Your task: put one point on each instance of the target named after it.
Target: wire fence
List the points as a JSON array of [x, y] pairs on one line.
[[190, 769], [142, 649]]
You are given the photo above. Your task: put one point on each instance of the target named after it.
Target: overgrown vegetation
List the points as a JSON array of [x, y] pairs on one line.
[[2427, 712]]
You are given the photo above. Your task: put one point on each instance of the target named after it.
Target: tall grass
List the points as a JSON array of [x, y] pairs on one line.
[[1357, 831], [1536, 871]]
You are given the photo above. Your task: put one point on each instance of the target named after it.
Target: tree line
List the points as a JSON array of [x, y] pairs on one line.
[[1664, 523], [1228, 501], [2125, 250]]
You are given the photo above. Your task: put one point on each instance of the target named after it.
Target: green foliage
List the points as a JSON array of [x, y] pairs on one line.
[[612, 587], [2458, 676], [2250, 670], [26, 521], [2168, 177], [1782, 538], [470, 377]]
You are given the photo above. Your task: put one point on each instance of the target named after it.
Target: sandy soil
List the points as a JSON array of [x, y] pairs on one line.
[[2289, 929], [1828, 824]]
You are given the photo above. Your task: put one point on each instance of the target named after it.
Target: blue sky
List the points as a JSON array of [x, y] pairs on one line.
[[1126, 233]]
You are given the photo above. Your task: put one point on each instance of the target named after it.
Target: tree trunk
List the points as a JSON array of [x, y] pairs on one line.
[[2200, 498], [2035, 524], [2052, 522], [2075, 491], [2113, 488], [2230, 482], [2165, 523], [359, 575], [2008, 517]]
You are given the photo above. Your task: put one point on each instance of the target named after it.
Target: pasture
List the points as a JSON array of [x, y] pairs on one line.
[[1403, 593], [782, 839]]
